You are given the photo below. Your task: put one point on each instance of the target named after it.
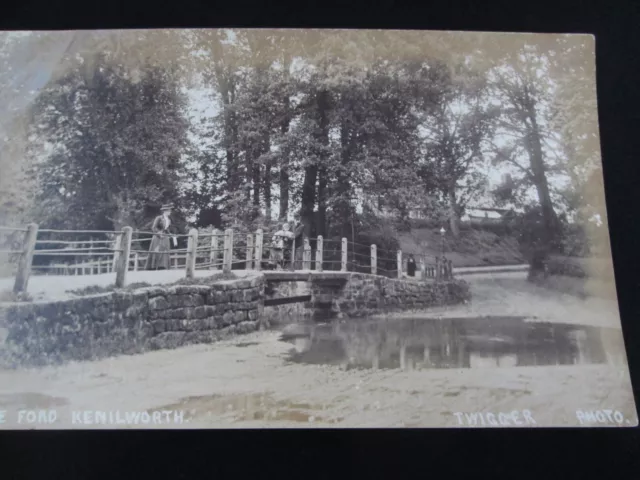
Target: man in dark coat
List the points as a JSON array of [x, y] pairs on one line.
[[411, 266], [158, 258]]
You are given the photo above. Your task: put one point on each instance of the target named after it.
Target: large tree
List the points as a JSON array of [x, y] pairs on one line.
[[115, 146], [525, 93], [457, 123]]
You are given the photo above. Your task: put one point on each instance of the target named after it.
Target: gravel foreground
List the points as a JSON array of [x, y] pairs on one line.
[[248, 382]]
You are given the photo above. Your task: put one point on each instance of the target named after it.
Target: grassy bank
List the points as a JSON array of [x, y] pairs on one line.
[[472, 248]]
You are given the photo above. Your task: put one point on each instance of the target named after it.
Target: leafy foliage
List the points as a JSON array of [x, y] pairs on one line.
[[116, 147], [340, 127]]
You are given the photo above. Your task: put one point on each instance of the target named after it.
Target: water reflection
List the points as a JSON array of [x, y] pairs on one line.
[[482, 342]]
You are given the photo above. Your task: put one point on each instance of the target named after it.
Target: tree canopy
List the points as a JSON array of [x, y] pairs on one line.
[[334, 125]]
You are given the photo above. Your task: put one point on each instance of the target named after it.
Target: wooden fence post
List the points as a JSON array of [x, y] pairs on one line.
[[116, 253], [258, 249], [26, 259], [84, 261], [438, 269], [343, 262], [135, 262], [122, 264], [319, 247], [192, 250], [91, 261], [374, 259], [293, 254], [306, 255], [249, 254], [213, 254], [399, 258], [228, 250]]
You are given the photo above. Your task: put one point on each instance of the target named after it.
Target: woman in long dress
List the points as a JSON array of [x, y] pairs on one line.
[[158, 258]]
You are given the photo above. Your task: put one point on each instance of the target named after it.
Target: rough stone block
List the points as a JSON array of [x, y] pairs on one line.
[[151, 292], [139, 296], [166, 340], [252, 314], [181, 313], [197, 300], [210, 323], [136, 310], [122, 300], [247, 327], [225, 307], [220, 296], [158, 303], [185, 289], [159, 326], [172, 324], [227, 318], [192, 325], [199, 312], [240, 316], [145, 330]]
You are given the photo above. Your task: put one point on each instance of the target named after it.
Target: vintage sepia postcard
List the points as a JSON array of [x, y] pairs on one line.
[[253, 228]]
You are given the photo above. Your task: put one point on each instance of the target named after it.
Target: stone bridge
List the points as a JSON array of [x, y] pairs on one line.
[[324, 295], [204, 310]]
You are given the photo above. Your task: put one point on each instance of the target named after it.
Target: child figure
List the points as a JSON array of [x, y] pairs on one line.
[[277, 245]]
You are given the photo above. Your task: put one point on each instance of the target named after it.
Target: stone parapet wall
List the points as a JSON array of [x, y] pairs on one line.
[[364, 295], [123, 322], [357, 295]]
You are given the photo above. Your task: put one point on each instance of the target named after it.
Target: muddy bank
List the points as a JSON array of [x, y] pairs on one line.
[[249, 382], [252, 380]]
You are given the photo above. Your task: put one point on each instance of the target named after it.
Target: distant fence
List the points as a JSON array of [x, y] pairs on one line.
[[93, 252]]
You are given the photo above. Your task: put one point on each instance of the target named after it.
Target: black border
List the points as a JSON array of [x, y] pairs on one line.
[[536, 453]]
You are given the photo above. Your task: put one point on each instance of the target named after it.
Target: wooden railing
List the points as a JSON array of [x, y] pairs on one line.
[[126, 250]]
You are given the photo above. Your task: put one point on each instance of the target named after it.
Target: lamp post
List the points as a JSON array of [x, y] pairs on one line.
[[442, 232]]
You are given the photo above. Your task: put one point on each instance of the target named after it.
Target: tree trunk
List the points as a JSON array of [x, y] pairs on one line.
[[308, 197], [343, 186], [267, 189], [533, 146], [266, 186], [323, 123], [284, 159], [284, 192], [536, 161], [321, 218], [256, 184], [454, 221]]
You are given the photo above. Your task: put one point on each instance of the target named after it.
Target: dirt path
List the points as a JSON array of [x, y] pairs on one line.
[[248, 382], [512, 294]]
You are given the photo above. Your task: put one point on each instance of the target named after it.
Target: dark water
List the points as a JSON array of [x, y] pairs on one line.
[[420, 343]]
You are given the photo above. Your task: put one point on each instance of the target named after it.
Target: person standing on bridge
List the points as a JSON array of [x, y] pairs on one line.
[[277, 245], [411, 266], [158, 258]]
